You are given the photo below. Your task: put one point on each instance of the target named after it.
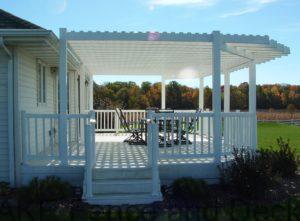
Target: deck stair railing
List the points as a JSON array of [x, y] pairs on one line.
[[90, 158]]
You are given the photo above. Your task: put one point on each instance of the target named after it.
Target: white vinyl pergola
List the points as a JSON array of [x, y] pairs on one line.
[[171, 55], [194, 142]]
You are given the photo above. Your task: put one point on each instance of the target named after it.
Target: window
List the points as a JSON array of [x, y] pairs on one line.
[[41, 83]]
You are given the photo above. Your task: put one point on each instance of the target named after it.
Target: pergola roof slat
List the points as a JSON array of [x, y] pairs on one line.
[[170, 54]]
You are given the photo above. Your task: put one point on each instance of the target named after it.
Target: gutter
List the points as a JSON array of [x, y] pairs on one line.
[[51, 39], [10, 108]]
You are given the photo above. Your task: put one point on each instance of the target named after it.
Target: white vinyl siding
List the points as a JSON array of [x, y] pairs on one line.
[[73, 94], [29, 94], [28, 86], [4, 164]]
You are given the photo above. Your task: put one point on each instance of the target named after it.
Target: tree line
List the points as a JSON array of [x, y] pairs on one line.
[[129, 95]]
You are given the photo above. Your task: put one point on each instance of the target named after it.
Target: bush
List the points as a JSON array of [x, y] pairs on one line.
[[49, 189], [190, 189], [4, 189], [249, 173], [283, 161]]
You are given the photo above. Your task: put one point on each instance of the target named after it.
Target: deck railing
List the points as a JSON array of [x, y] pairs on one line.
[[40, 140], [239, 131], [108, 120], [189, 135], [182, 134]]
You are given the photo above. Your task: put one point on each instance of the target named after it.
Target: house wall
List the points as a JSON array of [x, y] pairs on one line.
[[28, 86], [27, 66], [4, 158]]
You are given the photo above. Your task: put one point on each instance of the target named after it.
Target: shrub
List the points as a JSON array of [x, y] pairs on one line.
[[249, 173], [283, 161], [49, 189], [190, 189], [4, 189]]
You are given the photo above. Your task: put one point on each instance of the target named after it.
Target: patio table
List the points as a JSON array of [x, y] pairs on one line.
[[143, 126]]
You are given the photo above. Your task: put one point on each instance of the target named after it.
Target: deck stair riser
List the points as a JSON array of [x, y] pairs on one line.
[[110, 174], [122, 186]]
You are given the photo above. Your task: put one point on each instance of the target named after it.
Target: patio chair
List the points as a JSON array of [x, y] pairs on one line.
[[191, 128], [136, 134]]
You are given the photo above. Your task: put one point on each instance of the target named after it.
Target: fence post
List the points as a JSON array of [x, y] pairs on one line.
[[63, 144], [88, 163], [154, 157], [92, 136], [24, 137], [117, 125]]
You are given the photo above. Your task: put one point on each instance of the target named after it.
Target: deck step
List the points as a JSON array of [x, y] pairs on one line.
[[128, 173], [123, 199], [121, 186]]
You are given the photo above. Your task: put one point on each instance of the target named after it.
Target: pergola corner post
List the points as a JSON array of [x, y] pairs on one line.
[[252, 103], [202, 128], [163, 92], [63, 69], [227, 92], [216, 96], [82, 98]]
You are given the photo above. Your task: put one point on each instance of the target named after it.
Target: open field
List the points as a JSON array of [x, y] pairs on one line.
[[268, 132], [276, 115]]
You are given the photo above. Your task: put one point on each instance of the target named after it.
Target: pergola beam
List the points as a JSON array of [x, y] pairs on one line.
[[235, 51]]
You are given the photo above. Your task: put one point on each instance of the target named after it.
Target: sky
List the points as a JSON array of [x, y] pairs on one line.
[[280, 19]]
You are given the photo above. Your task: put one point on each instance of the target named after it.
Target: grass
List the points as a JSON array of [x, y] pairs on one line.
[[268, 132]]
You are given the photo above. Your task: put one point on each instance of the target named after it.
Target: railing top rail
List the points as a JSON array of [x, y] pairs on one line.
[[78, 116], [56, 116], [236, 114], [183, 114], [33, 115]]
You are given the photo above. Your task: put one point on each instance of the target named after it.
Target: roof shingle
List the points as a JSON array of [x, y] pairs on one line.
[[10, 21]]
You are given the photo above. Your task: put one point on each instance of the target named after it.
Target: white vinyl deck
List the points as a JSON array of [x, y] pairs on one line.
[[112, 152]]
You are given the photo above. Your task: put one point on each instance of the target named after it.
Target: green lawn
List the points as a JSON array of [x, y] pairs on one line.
[[269, 132]]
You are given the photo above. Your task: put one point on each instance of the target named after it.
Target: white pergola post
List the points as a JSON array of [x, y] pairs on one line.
[[252, 103], [227, 92], [63, 69], [201, 93], [163, 92], [91, 87], [82, 100], [216, 96]]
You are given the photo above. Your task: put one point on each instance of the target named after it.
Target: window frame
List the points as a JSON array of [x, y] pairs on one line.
[[41, 71]]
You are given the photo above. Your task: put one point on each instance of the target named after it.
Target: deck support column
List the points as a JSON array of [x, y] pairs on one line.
[[91, 88], [227, 92], [63, 69], [252, 103], [216, 96], [201, 93], [163, 92], [82, 100]]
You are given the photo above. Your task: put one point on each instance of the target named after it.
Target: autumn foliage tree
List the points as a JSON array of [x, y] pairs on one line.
[[129, 95]]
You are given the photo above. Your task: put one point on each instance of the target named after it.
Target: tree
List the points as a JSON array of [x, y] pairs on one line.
[[291, 109]]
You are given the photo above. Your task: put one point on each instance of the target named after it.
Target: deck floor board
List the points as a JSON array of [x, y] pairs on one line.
[[111, 152]]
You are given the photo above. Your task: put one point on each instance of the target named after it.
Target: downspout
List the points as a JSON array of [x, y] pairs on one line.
[[10, 109]]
